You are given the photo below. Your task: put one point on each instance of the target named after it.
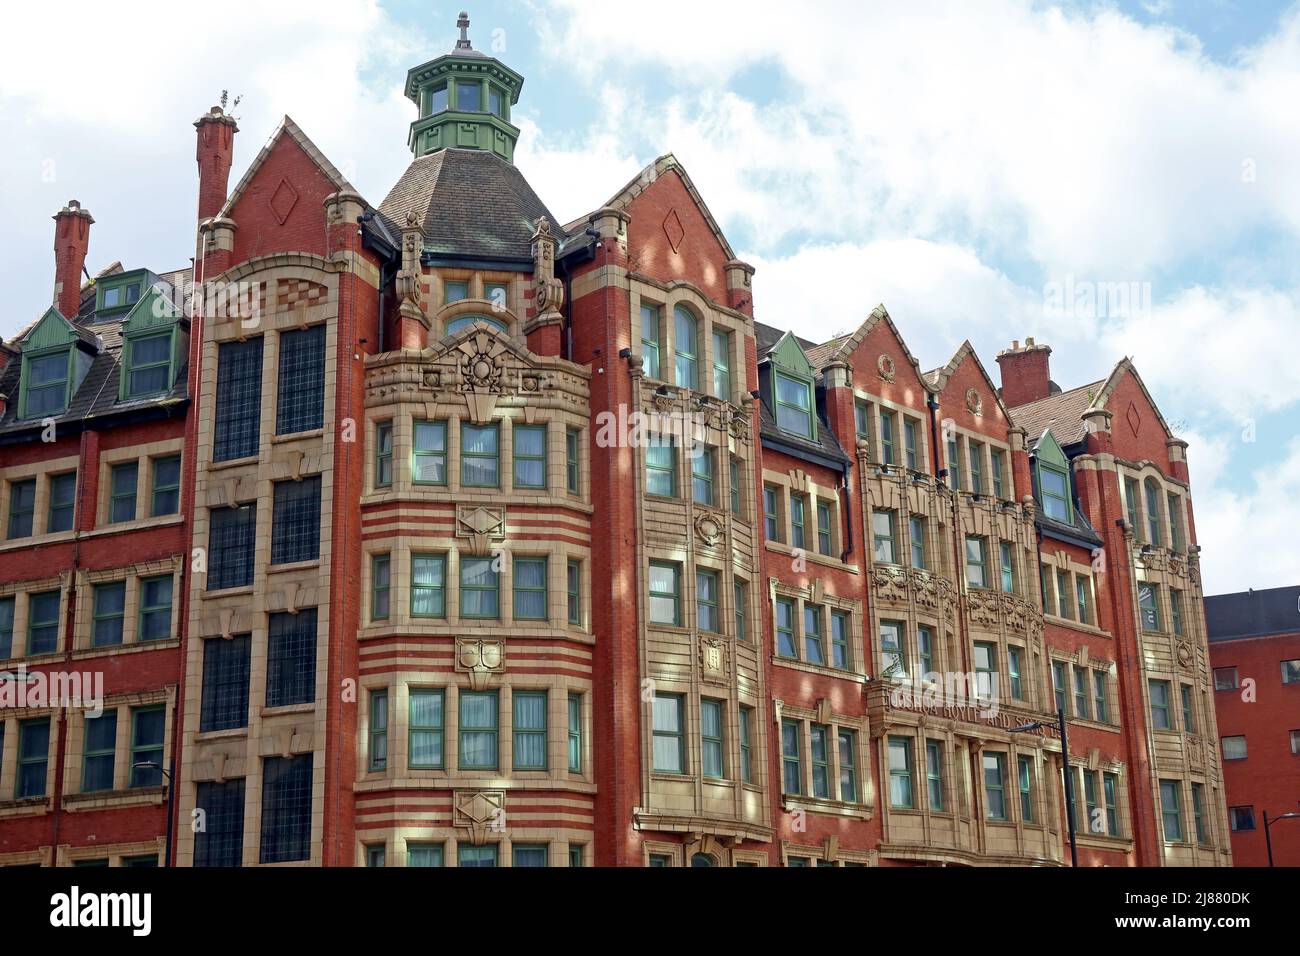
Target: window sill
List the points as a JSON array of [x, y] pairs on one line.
[[231, 463], [298, 436], [284, 709], [790, 801], [31, 660], [25, 806], [230, 733], [241, 591], [132, 647], [816, 557], [292, 566], [36, 540], [823, 669], [138, 524], [112, 799]]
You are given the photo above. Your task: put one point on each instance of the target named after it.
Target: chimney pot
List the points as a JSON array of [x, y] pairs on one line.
[[1026, 373], [214, 153]]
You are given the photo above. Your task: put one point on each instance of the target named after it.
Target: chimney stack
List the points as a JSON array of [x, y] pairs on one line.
[[215, 152], [71, 240], [1026, 374]]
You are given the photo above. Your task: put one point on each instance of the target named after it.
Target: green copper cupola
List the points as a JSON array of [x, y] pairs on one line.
[[464, 98]]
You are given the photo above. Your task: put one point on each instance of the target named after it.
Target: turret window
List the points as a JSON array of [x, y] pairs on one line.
[[469, 96]]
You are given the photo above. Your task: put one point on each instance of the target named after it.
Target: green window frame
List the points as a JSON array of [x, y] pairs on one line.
[[1082, 697], [575, 733], [381, 566], [1149, 606], [376, 856], [576, 851], [977, 575], [893, 652], [378, 732], [572, 444], [722, 364], [702, 477], [1175, 520], [791, 757], [62, 504], [1045, 588], [156, 594], [1155, 534], [1006, 566], [814, 649], [426, 728], [664, 588], [862, 420], [1015, 672], [1063, 594], [479, 730], [986, 669], [1100, 697], [740, 592], [661, 468], [887, 437], [686, 348], [916, 540], [735, 486], [573, 573], [925, 649], [819, 760], [528, 729], [108, 614], [122, 489], [848, 744], [1176, 611], [976, 451], [708, 599], [901, 795], [995, 470], [746, 746], [954, 466], [798, 517], [840, 639], [934, 774], [1090, 799], [711, 739], [166, 492], [1189, 717], [384, 454], [785, 642], [1161, 719], [995, 771], [454, 290], [824, 528], [1054, 492], [1084, 598], [910, 444], [46, 383], [22, 508], [668, 734], [530, 855], [33, 758], [651, 337], [771, 523], [498, 293], [794, 406], [480, 455], [428, 585], [1131, 505], [43, 622], [98, 752], [148, 735], [1025, 777], [429, 453], [530, 466], [148, 367], [1110, 793], [1058, 685], [476, 856], [884, 548], [480, 588], [530, 582], [1171, 811]]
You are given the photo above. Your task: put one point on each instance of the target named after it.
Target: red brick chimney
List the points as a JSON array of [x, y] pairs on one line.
[[1026, 376], [71, 240], [216, 143]]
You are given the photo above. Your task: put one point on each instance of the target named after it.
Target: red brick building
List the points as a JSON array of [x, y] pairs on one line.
[[1255, 653], [517, 542]]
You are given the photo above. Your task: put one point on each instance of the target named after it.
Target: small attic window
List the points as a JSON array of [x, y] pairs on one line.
[[119, 296], [149, 364], [45, 383], [794, 405]]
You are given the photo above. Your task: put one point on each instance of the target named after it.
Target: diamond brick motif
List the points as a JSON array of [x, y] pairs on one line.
[[283, 200], [673, 229], [1134, 419]]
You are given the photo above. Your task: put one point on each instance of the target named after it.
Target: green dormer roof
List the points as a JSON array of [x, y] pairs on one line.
[[464, 98]]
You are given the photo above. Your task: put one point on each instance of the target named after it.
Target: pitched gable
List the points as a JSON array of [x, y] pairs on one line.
[[1138, 429]]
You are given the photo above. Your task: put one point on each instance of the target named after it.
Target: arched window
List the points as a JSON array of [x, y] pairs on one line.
[[703, 859], [465, 321], [686, 348], [1154, 535]]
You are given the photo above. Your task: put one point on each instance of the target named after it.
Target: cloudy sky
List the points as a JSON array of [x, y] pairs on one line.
[[963, 163]]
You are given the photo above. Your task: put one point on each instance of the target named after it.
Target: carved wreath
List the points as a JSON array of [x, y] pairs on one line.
[[885, 368], [974, 402]]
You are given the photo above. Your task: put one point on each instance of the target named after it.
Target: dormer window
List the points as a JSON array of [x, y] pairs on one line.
[[1052, 470], [122, 295], [148, 364], [46, 387], [794, 405]]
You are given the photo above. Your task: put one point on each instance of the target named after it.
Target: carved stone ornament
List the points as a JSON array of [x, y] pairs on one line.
[[885, 368], [482, 525], [709, 527], [480, 659], [549, 290], [983, 610], [480, 812], [890, 584], [1184, 654], [739, 424], [974, 402], [482, 373], [715, 658]]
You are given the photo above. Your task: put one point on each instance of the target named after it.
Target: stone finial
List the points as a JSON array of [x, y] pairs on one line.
[[462, 23]]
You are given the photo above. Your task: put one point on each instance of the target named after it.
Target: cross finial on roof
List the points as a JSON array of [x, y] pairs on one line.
[[463, 23]]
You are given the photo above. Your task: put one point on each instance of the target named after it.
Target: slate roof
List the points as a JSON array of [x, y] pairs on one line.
[[766, 336], [1062, 413], [97, 394], [1267, 612], [471, 203]]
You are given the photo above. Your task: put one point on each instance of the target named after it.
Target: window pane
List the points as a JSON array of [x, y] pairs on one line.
[[238, 404]]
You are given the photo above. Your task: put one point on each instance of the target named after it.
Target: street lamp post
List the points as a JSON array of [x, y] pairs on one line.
[[1069, 779], [171, 801], [1268, 837]]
